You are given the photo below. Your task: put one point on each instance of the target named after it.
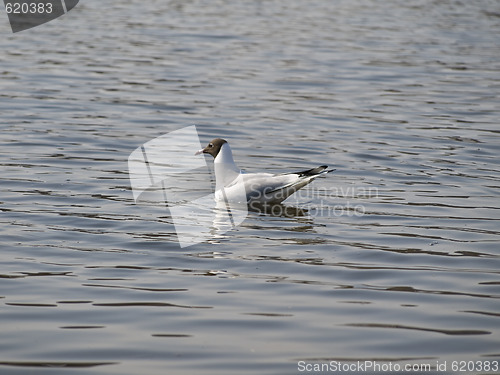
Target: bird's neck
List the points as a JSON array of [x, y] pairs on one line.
[[226, 169]]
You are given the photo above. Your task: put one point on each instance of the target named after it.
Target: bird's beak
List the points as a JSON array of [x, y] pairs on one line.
[[200, 151]]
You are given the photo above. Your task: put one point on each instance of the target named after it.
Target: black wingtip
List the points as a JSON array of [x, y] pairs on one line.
[[315, 171]]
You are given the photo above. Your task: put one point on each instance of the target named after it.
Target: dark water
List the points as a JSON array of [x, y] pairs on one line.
[[398, 258]]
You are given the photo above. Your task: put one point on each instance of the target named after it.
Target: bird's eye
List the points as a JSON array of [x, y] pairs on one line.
[[210, 145]]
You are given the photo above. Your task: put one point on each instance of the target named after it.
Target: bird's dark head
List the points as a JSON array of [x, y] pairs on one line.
[[213, 147]]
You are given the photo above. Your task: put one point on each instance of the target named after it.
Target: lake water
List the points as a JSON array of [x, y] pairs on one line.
[[397, 259]]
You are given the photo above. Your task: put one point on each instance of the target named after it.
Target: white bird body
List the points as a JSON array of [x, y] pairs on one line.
[[233, 185]]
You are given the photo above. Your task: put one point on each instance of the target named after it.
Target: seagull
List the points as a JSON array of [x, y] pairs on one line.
[[233, 185]]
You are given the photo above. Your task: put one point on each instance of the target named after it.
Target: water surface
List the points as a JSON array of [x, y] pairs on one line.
[[397, 259]]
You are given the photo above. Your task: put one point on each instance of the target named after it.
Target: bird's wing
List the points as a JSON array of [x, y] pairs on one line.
[[278, 187], [273, 187]]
